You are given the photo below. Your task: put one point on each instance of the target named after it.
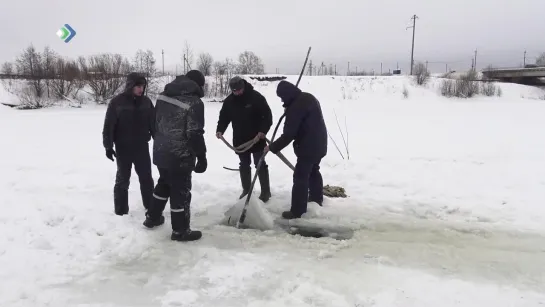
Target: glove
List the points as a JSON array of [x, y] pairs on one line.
[[110, 153], [201, 165]]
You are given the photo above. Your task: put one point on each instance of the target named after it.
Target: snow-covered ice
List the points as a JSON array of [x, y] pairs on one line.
[[446, 196]]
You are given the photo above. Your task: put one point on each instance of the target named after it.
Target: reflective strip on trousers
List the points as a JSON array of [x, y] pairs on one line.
[[159, 197]]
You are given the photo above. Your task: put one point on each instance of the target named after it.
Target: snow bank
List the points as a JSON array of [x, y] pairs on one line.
[[5, 87], [338, 88]]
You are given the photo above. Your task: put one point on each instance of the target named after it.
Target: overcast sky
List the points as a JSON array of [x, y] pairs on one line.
[[362, 32]]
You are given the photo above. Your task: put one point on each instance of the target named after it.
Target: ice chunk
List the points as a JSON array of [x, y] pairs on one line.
[[257, 216]]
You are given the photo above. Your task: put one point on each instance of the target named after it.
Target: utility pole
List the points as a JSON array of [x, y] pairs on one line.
[[412, 48], [524, 59], [348, 71], [163, 53], [475, 61]]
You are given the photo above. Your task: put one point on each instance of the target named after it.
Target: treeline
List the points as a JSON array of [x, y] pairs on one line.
[[40, 78]]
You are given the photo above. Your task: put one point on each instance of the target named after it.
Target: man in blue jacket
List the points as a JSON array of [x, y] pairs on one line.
[[305, 126]]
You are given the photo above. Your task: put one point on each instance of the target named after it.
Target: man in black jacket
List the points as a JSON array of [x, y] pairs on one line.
[[179, 144], [251, 117], [129, 124], [305, 126]]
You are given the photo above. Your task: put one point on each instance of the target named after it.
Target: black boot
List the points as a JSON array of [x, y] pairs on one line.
[[288, 215], [245, 180], [154, 222], [121, 201], [265, 185], [154, 215], [181, 228]]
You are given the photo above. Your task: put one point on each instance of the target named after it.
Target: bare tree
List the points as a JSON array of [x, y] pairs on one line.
[[250, 63], [204, 63], [223, 72], [220, 70], [7, 83], [30, 66], [144, 62], [67, 82], [49, 59], [7, 68], [421, 73], [105, 74], [540, 61]]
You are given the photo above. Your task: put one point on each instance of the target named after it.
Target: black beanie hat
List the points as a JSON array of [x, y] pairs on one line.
[[196, 76], [236, 83]]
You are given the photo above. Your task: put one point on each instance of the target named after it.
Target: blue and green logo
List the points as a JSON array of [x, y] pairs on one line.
[[66, 33]]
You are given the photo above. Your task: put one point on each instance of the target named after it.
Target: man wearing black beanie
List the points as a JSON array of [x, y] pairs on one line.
[[250, 116], [178, 150]]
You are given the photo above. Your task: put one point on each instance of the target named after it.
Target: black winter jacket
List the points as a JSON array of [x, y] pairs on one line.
[[249, 114], [304, 124], [129, 120], [179, 137]]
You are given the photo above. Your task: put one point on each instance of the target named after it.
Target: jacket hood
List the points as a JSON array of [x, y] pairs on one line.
[[134, 79], [247, 86], [183, 86], [287, 92]]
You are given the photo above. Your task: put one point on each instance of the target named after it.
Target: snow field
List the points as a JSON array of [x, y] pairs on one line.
[[446, 194]]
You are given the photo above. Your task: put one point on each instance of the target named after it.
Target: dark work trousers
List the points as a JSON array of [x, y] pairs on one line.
[[126, 157], [175, 185], [246, 160], [307, 183]]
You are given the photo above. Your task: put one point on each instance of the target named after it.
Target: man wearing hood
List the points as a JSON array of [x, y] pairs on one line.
[[178, 150], [130, 124], [305, 126], [251, 117]]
